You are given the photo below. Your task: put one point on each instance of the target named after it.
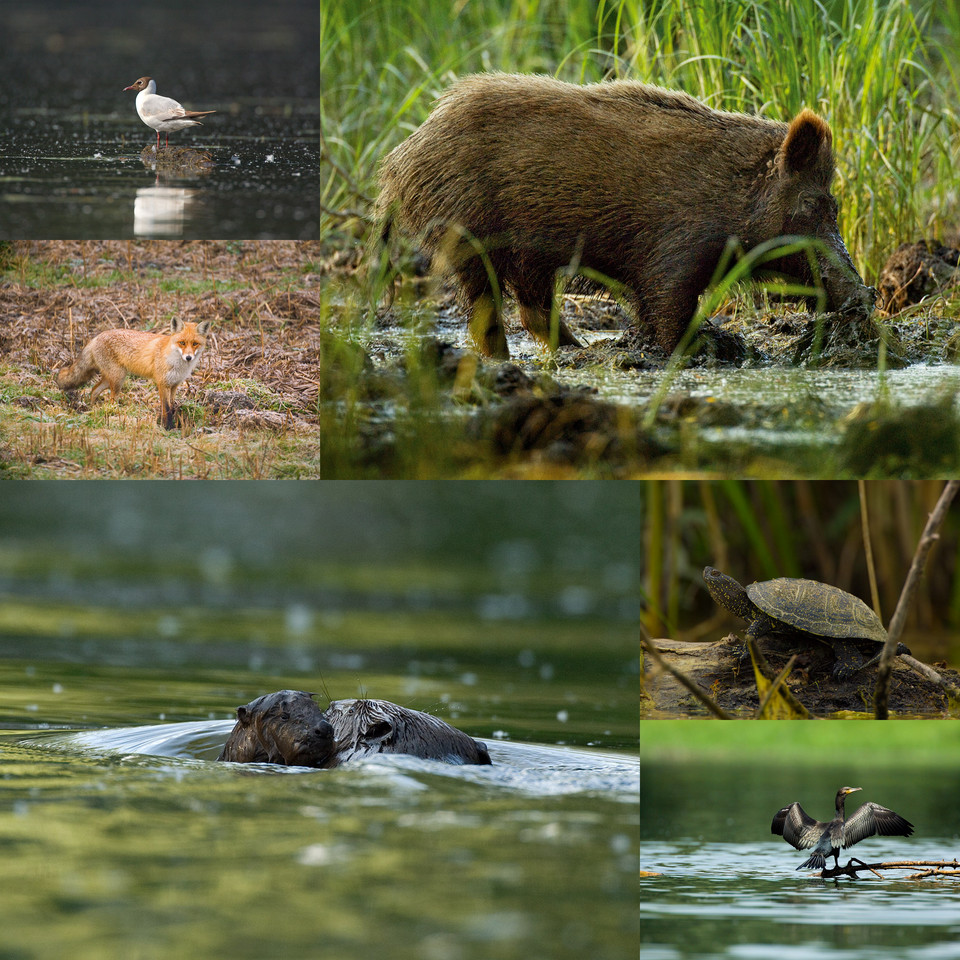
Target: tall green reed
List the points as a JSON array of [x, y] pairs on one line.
[[872, 67]]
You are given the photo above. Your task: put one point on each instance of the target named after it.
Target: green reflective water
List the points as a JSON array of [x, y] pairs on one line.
[[134, 619], [721, 885]]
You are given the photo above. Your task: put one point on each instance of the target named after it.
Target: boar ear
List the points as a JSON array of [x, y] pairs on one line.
[[807, 145]]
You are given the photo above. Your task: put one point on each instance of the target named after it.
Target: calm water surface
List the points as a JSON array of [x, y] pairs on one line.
[[70, 164], [135, 618], [726, 888]]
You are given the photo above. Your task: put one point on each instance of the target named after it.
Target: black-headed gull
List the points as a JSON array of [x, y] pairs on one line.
[[162, 113]]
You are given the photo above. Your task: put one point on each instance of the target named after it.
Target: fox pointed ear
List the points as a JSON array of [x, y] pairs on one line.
[[176, 324], [807, 146], [202, 327]]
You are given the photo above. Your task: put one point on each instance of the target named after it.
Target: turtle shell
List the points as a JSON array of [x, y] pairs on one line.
[[817, 608]]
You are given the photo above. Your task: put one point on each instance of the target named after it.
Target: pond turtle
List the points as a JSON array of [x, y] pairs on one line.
[[804, 610]]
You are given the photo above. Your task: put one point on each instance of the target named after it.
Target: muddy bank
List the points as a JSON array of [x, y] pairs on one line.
[[717, 668], [769, 390]]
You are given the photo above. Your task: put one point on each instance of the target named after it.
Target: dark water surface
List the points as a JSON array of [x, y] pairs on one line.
[[69, 162]]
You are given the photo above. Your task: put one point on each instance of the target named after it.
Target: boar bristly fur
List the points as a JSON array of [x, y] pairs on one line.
[[513, 178]]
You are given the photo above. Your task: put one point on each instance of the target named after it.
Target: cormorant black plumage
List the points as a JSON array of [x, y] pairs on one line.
[[798, 828]]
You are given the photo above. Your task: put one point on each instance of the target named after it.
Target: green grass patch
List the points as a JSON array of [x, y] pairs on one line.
[[877, 743], [874, 68]]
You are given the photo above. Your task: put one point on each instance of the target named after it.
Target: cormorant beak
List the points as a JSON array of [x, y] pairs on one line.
[[847, 790]]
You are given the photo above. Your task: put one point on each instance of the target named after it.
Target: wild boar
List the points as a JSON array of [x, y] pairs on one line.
[[513, 178]]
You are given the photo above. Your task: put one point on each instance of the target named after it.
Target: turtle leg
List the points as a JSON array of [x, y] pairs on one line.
[[849, 660], [756, 629], [901, 649]]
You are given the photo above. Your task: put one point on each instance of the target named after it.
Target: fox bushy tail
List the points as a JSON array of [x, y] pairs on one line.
[[78, 373]]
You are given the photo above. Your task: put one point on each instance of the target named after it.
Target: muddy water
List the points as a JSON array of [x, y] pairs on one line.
[[807, 406], [784, 411]]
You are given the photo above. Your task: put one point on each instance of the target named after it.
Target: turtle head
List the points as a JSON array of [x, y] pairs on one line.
[[728, 593]]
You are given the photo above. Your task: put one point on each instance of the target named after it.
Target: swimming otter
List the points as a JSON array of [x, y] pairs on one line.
[[285, 727], [288, 727], [365, 727]]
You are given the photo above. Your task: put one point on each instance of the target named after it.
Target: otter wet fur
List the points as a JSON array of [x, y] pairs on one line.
[[167, 359], [288, 727], [513, 178]]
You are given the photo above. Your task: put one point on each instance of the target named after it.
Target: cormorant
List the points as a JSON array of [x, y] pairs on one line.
[[801, 830]]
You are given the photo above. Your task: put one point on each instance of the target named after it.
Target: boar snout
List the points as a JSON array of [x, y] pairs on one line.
[[860, 303], [846, 292]]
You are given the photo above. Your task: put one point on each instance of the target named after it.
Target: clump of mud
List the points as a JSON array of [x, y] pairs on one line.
[[570, 427], [177, 161], [915, 271], [714, 346], [833, 340], [509, 414]]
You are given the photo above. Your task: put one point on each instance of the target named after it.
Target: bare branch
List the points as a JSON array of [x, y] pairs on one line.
[[930, 674], [927, 539], [938, 868]]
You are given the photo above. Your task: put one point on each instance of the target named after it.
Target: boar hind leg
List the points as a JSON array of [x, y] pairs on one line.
[[485, 314], [536, 321], [486, 328]]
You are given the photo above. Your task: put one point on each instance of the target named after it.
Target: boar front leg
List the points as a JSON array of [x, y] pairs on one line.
[[676, 279], [668, 313]]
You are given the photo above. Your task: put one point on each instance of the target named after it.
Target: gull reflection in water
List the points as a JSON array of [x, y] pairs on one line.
[[162, 211]]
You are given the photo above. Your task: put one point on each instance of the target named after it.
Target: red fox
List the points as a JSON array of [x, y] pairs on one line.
[[167, 359]]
